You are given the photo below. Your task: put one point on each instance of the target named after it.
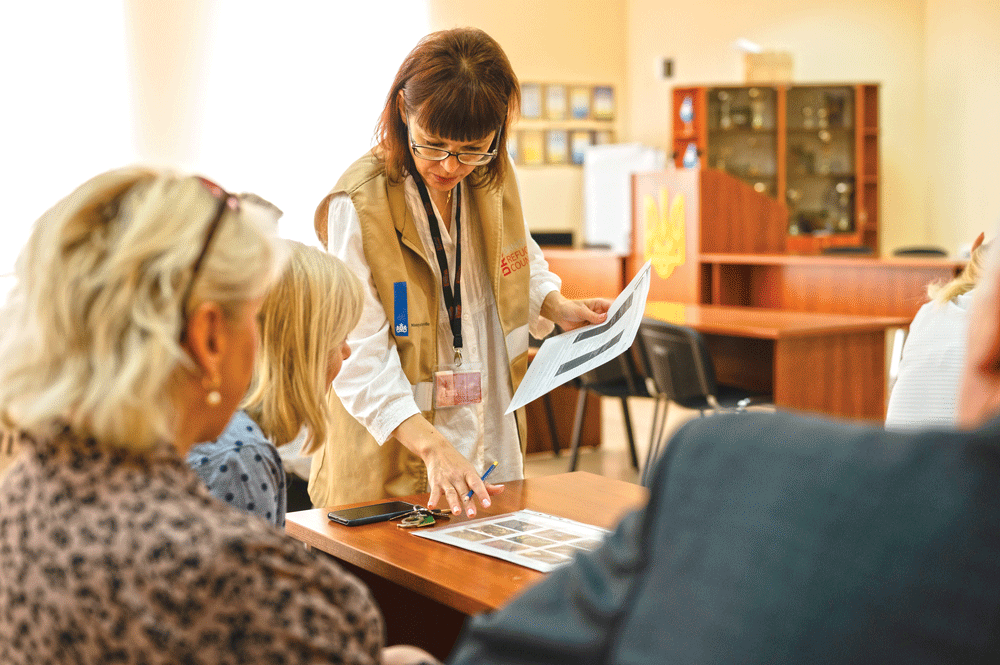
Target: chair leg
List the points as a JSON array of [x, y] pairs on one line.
[[581, 408], [553, 431], [661, 432], [628, 431], [656, 436], [653, 429]]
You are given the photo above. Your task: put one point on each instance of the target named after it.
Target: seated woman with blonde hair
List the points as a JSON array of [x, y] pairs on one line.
[[925, 393], [129, 336], [304, 321]]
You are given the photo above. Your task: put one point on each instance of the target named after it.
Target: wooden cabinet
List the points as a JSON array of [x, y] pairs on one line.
[[812, 147], [713, 240]]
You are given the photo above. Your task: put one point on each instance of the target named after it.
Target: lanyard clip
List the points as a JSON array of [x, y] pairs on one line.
[[458, 357]]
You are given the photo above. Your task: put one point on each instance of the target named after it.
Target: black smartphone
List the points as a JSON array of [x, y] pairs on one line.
[[377, 512]]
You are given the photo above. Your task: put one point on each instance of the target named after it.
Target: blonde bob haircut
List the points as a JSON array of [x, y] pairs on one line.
[[92, 327], [966, 280], [304, 320]]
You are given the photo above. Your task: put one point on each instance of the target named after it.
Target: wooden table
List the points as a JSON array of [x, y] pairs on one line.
[[832, 364], [427, 589]]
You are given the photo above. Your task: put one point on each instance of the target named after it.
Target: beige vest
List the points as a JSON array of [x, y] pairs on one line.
[[350, 466]]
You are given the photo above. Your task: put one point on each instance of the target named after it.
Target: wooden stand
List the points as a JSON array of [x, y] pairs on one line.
[[678, 214]]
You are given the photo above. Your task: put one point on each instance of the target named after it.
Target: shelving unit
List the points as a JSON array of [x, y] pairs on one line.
[[544, 137], [813, 147]]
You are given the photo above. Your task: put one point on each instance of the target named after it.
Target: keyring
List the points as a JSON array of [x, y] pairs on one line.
[[416, 521], [420, 517]]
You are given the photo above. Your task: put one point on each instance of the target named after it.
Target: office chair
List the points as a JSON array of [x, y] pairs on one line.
[[919, 251], [682, 372], [622, 378]]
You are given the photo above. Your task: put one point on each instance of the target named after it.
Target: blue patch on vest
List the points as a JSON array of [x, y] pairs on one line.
[[401, 318]]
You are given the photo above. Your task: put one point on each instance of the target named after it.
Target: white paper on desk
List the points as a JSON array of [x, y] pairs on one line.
[[567, 356], [526, 537]]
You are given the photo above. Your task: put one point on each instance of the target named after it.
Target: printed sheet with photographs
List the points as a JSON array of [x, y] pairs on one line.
[[526, 537]]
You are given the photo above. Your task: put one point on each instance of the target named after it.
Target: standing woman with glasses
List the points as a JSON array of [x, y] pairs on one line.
[[431, 222], [129, 336]]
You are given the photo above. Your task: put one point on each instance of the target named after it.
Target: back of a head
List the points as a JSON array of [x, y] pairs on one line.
[[979, 394], [304, 318], [965, 281], [460, 86], [93, 324]]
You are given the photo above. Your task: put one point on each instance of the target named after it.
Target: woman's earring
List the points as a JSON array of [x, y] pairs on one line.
[[214, 397]]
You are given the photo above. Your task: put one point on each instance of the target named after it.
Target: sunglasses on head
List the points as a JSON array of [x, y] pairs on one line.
[[226, 200]]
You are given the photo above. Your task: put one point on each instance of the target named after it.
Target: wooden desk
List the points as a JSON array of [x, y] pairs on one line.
[[832, 364], [427, 589], [835, 284]]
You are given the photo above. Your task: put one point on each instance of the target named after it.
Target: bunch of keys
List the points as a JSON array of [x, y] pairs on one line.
[[421, 517]]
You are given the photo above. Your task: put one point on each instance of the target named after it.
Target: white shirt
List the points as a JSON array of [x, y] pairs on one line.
[[371, 383], [926, 389]]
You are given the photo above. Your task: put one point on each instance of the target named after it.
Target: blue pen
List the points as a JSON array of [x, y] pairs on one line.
[[488, 472]]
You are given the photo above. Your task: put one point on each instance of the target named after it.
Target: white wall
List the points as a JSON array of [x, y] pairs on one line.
[[274, 98], [66, 113], [963, 118]]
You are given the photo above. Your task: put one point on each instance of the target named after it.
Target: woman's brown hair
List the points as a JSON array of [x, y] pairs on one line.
[[459, 85]]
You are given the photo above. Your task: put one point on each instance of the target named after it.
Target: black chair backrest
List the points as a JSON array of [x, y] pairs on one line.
[[625, 369], [679, 363], [919, 251], [851, 249]]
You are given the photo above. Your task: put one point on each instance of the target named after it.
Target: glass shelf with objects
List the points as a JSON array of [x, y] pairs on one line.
[[812, 146], [827, 160], [742, 135]]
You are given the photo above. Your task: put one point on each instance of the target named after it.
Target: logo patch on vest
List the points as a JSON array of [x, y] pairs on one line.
[[514, 261], [401, 317]]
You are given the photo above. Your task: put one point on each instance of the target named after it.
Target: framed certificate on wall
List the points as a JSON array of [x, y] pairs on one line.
[[555, 102], [556, 146], [604, 103], [579, 102], [532, 145], [531, 101], [578, 141]]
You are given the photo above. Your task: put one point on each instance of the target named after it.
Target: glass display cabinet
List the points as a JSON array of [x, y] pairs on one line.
[[812, 146]]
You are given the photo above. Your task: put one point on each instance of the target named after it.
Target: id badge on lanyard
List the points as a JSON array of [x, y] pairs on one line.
[[460, 383]]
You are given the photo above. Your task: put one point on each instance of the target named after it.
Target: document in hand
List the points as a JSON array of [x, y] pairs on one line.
[[572, 353]]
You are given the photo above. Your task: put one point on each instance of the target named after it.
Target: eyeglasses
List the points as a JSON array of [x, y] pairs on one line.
[[433, 154], [226, 200]]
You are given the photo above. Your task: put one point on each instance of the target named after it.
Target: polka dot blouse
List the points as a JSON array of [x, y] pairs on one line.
[[242, 468]]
